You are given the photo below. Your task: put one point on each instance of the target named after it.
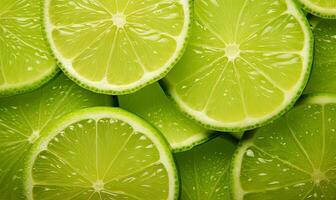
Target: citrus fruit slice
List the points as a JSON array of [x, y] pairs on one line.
[[152, 104], [117, 46], [204, 170], [101, 153], [24, 117], [321, 8], [292, 158], [247, 63], [25, 59], [323, 77]]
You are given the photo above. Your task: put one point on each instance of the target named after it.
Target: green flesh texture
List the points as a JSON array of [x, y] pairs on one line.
[[294, 157], [204, 170], [152, 104], [243, 64], [323, 77], [126, 41], [25, 61], [23, 118], [99, 158]]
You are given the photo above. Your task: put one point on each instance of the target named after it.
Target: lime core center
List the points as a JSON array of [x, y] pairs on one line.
[[98, 186], [33, 137], [318, 176], [232, 51], [119, 20]]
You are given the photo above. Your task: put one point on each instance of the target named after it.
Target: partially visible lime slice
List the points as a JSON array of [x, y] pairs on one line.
[[323, 78], [246, 64], [101, 153], [292, 158], [24, 117], [321, 8], [204, 170], [25, 61], [152, 104], [117, 46]]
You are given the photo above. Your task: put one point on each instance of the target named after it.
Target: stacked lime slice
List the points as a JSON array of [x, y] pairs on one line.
[[101, 153], [153, 105], [23, 118], [204, 170], [293, 158], [25, 61], [117, 46], [323, 78], [321, 8], [247, 63]]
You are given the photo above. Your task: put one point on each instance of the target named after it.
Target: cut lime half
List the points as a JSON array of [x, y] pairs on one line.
[[117, 46], [323, 77], [292, 158], [101, 153], [152, 104], [23, 118], [204, 170], [320, 8], [247, 63], [25, 59]]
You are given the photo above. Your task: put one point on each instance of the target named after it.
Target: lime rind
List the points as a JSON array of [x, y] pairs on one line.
[[237, 191], [327, 13], [66, 66], [136, 122], [27, 86]]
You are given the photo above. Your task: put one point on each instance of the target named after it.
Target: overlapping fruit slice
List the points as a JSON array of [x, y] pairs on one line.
[[323, 77], [101, 153], [292, 158], [25, 60], [152, 104], [117, 46], [247, 63], [23, 118], [205, 170]]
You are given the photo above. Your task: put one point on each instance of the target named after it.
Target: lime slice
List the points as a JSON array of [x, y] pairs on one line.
[[101, 153], [204, 170], [24, 117], [321, 8], [292, 158], [152, 104], [25, 61], [247, 63], [117, 46], [323, 78]]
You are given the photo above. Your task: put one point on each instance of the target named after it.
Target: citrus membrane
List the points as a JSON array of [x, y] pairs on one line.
[[321, 8], [152, 104], [25, 61], [247, 62], [292, 158], [117, 46], [323, 77], [23, 118], [101, 153], [204, 170]]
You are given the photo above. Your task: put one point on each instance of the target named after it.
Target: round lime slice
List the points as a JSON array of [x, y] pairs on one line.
[[152, 104], [205, 170], [323, 77], [101, 153], [25, 61], [321, 8], [117, 46], [292, 158], [247, 63], [24, 117]]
